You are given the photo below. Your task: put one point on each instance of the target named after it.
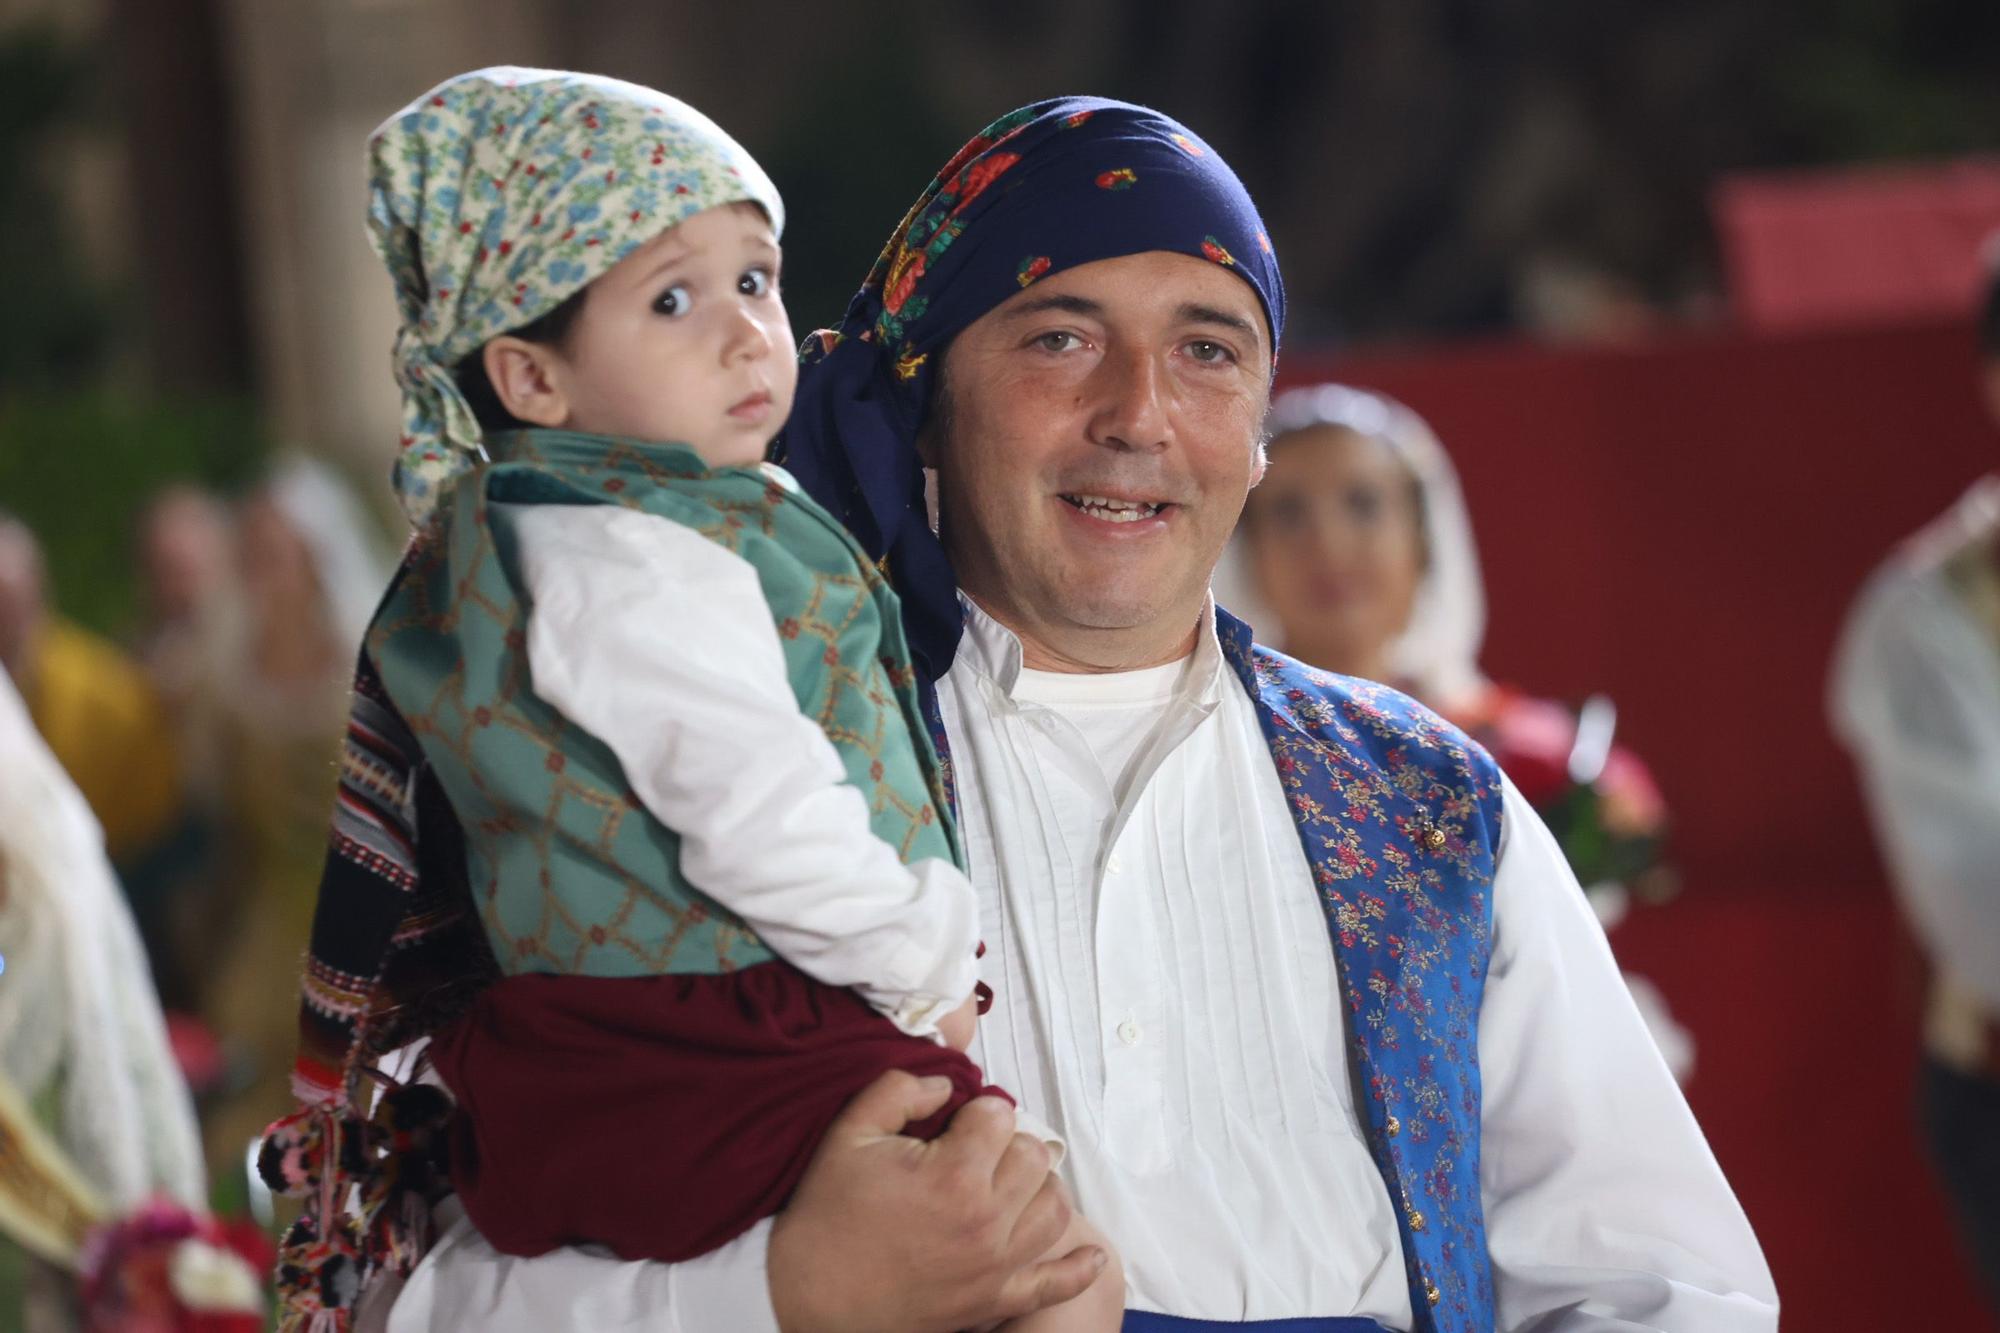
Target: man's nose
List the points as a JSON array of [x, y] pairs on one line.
[[1131, 408]]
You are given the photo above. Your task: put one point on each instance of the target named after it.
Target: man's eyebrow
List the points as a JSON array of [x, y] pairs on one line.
[[1070, 305], [1208, 314]]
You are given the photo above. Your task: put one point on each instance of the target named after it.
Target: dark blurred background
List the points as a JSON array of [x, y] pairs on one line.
[[1686, 289]]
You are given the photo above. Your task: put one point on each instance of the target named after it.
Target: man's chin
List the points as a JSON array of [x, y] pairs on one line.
[[1113, 609]]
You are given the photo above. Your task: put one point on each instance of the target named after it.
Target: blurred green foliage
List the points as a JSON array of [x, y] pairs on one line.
[[58, 323], [78, 467], [78, 459]]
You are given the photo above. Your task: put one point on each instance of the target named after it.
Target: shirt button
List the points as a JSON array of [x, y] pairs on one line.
[[1128, 1032], [1114, 865]]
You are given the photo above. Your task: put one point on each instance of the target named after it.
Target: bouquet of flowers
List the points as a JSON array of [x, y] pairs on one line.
[[1596, 797]]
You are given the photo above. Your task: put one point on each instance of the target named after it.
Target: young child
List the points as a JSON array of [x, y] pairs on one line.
[[666, 694]]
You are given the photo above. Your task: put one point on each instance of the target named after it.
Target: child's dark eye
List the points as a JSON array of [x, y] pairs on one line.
[[755, 282], [674, 301]]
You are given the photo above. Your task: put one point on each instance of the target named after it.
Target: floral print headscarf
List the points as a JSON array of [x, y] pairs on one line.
[[1049, 187], [500, 193]]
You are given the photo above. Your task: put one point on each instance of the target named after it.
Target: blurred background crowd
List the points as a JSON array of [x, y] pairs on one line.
[[1652, 331]]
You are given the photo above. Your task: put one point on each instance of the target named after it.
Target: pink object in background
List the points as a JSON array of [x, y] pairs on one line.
[[203, 1062], [1811, 250]]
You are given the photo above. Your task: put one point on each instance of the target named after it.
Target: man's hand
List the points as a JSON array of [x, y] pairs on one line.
[[888, 1234]]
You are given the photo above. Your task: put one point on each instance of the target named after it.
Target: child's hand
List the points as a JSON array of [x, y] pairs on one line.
[[957, 1026]]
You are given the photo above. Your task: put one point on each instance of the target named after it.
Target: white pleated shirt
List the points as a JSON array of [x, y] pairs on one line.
[[1166, 997]]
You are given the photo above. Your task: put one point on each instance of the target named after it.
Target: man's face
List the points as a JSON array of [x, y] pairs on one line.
[[185, 550], [1099, 434]]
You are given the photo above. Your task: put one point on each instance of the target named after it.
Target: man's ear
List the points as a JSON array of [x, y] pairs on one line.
[[1261, 463], [527, 379]]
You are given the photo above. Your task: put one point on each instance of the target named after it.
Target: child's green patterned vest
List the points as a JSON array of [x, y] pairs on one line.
[[571, 873]]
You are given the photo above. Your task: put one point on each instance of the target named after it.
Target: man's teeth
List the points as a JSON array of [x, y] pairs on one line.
[[1113, 511]]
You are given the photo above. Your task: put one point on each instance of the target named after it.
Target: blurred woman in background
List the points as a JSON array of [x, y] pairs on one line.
[[1355, 553], [191, 619]]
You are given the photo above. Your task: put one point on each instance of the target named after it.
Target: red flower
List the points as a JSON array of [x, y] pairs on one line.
[[1213, 249], [1031, 268], [971, 150], [1119, 178], [1073, 121], [973, 182], [1189, 146], [904, 275]]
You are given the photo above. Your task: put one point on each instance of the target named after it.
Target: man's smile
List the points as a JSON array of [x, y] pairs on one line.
[[1112, 509]]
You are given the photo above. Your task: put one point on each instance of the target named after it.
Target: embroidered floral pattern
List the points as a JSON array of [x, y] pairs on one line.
[[1374, 779]]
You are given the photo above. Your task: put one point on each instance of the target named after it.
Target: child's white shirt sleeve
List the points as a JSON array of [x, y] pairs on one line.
[[659, 643]]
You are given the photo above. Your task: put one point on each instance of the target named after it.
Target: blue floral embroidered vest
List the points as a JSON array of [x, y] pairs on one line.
[[1400, 816], [1399, 813]]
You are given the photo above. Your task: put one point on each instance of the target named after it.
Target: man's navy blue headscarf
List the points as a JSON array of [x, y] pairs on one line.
[[1045, 188]]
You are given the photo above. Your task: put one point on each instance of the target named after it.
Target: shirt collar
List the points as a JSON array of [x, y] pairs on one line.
[[991, 652]]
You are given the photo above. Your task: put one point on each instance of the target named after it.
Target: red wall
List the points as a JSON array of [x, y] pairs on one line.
[[1683, 524]]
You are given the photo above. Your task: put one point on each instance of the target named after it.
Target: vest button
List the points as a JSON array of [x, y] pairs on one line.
[[1416, 1220], [1434, 837], [1394, 1127], [1431, 1292]]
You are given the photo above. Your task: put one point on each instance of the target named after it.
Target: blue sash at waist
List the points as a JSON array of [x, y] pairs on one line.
[[1142, 1321]]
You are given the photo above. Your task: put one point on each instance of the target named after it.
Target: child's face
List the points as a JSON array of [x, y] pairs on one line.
[[685, 341]]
